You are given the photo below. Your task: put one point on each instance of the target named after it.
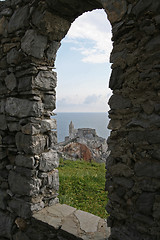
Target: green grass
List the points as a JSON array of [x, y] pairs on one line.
[[82, 186]]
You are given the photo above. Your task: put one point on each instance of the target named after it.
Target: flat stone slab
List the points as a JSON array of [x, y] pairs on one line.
[[71, 221]]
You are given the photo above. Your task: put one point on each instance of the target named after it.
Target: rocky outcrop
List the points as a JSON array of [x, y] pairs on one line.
[[83, 143]]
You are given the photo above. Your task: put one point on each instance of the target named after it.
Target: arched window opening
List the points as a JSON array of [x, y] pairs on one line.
[[82, 94]]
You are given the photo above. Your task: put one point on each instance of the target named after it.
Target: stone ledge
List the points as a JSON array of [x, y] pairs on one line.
[[69, 221]]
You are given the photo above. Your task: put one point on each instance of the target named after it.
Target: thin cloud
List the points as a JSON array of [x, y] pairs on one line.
[[91, 35], [91, 99]]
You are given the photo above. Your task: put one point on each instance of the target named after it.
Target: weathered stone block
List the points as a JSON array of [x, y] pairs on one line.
[[52, 50], [53, 180], [22, 185], [19, 19], [147, 169], [46, 80], [25, 83], [34, 44], [115, 9], [10, 81], [6, 224], [6, 12], [145, 203], [51, 25], [22, 108], [48, 161], [3, 198], [116, 79], [3, 26], [20, 235], [31, 129], [125, 182], [49, 102], [119, 102], [136, 136], [153, 137], [25, 161], [20, 207], [3, 123], [14, 57], [48, 125], [8, 46], [52, 139], [13, 126], [121, 169], [30, 144]]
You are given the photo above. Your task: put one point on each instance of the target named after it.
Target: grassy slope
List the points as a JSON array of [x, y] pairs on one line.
[[82, 186]]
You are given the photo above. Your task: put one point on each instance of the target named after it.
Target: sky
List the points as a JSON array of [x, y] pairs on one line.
[[82, 65]]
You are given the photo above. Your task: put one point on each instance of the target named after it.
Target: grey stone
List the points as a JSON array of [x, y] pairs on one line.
[[25, 83], [125, 182], [88, 222], [37, 206], [30, 144], [69, 226], [44, 21], [22, 108], [49, 102], [6, 224], [121, 169], [52, 139], [14, 56], [28, 173], [147, 169], [25, 161], [19, 19], [20, 207], [3, 26], [10, 81], [149, 185], [137, 136], [34, 44], [23, 186], [52, 50], [31, 129], [116, 79], [53, 180], [143, 218], [48, 161], [115, 9], [153, 44], [119, 102], [155, 154], [48, 125], [3, 198], [46, 80], [145, 203], [6, 12], [3, 123], [20, 235], [153, 137], [141, 6], [156, 207], [13, 127]]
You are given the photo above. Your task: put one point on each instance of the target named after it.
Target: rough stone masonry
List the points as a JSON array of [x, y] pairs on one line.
[[30, 35]]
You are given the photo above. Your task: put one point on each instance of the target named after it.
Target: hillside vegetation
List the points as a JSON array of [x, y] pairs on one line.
[[82, 186]]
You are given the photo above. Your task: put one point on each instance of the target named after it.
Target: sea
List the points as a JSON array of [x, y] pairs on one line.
[[98, 121]]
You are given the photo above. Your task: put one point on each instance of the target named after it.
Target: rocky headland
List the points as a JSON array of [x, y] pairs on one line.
[[83, 143]]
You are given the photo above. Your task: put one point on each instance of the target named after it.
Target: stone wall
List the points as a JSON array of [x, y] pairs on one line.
[[30, 35], [133, 167]]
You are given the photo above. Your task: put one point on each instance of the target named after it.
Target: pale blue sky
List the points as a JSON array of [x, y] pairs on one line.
[[83, 65]]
